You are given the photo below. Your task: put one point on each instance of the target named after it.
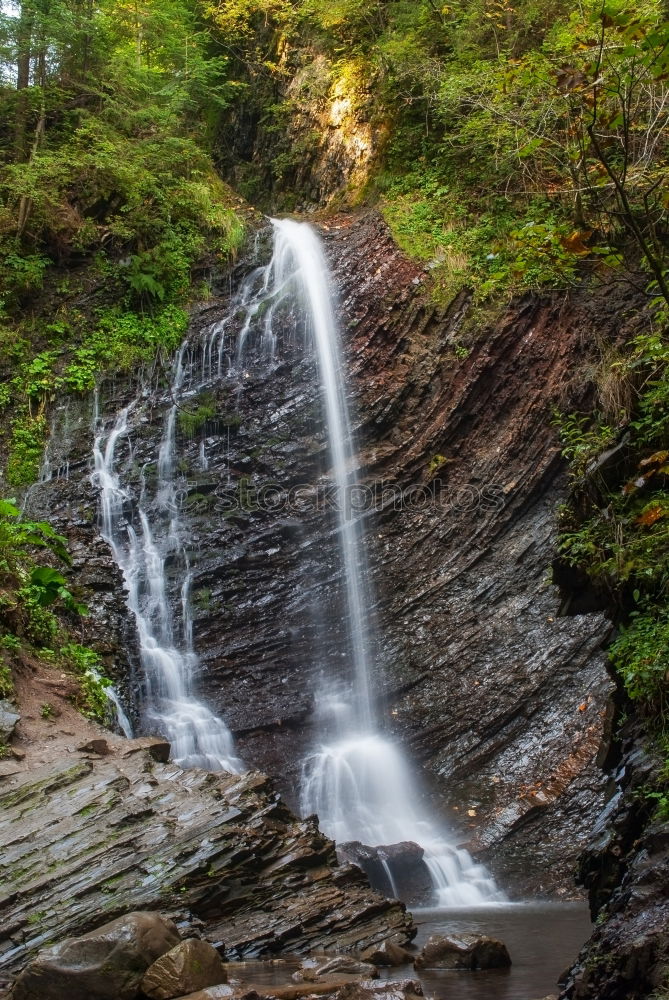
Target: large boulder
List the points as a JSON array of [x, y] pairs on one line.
[[189, 966], [388, 953], [8, 720], [463, 951], [347, 965], [340, 967], [396, 870], [106, 964]]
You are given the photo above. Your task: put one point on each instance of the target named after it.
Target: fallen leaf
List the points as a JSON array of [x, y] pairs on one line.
[[651, 515], [655, 459]]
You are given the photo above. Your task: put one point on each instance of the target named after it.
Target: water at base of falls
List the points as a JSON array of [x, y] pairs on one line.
[[358, 782], [359, 785], [362, 789]]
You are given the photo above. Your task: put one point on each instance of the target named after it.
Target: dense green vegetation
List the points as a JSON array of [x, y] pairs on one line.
[[616, 529], [525, 143], [519, 147], [108, 197], [39, 613]]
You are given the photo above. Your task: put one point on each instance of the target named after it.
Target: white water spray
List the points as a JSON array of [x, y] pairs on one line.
[[358, 781], [140, 544], [359, 784]]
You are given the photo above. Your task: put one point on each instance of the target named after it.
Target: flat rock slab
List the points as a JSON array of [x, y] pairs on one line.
[[88, 840], [366, 989]]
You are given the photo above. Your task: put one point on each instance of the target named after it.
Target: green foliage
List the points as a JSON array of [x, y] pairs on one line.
[[193, 420], [47, 711], [26, 447], [34, 621], [640, 654], [105, 168], [526, 140], [31, 595], [27, 588], [49, 586], [22, 275], [19, 537], [618, 532], [86, 664], [6, 680], [583, 437], [122, 339]]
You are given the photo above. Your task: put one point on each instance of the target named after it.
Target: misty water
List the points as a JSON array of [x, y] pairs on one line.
[[356, 778]]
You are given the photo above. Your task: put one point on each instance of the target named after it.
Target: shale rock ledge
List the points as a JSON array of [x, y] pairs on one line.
[[86, 841]]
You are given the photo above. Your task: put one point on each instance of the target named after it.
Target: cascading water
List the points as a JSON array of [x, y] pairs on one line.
[[359, 783], [140, 544]]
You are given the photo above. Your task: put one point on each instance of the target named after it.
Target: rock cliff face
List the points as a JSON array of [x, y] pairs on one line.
[[626, 870], [499, 699], [87, 839]]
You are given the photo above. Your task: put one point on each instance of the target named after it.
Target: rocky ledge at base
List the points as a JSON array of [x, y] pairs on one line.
[[87, 839]]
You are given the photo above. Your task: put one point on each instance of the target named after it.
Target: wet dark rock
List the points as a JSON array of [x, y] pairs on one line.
[[464, 605], [386, 989], [213, 993], [158, 749], [297, 990], [463, 951], [348, 965], [97, 746], [221, 992], [190, 966], [388, 953], [9, 719], [359, 989], [626, 871], [128, 833], [105, 964], [394, 869]]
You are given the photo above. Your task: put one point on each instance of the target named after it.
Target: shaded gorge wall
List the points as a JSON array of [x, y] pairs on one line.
[[503, 702]]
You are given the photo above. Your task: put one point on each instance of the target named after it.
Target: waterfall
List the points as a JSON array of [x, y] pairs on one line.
[[358, 782], [141, 538]]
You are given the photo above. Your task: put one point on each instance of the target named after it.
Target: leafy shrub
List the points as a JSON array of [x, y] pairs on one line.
[[6, 680], [86, 663], [641, 656], [26, 447], [193, 420]]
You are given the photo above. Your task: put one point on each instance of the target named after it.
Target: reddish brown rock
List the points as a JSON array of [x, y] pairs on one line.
[[106, 964], [190, 966], [463, 951], [388, 953]]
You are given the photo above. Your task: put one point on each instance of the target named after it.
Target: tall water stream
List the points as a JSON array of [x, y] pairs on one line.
[[357, 779]]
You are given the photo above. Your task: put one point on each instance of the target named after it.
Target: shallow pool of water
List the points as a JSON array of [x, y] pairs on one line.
[[543, 940]]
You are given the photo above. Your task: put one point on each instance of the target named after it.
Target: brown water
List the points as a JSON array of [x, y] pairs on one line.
[[543, 940]]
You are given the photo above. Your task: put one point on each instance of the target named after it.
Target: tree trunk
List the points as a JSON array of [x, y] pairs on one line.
[[24, 39]]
